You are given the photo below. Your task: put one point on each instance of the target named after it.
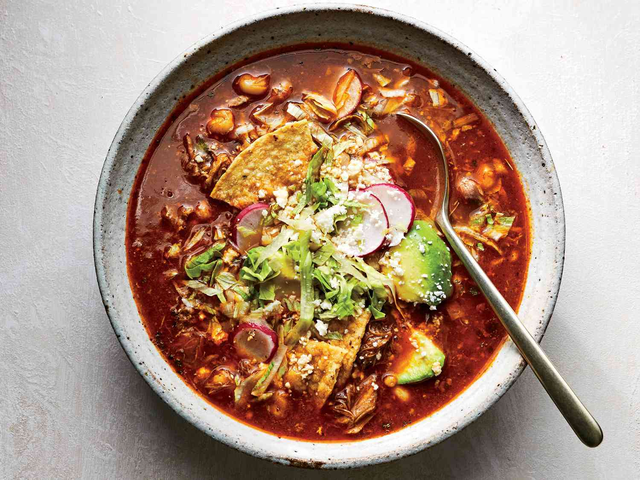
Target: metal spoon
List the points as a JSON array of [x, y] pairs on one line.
[[575, 413]]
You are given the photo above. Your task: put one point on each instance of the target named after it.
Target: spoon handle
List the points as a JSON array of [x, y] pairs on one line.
[[581, 421]]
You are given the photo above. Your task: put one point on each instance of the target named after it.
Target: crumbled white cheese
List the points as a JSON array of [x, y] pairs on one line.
[[394, 237], [273, 308], [350, 239], [355, 166], [281, 195], [316, 236], [393, 261], [437, 368], [303, 364], [325, 219], [321, 327]]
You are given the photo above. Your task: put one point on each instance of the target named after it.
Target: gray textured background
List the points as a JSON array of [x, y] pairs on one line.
[[72, 406]]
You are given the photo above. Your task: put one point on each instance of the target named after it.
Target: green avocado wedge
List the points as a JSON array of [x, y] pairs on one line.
[[425, 362], [420, 266]]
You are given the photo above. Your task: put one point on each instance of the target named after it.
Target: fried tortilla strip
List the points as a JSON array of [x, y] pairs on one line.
[[350, 342], [275, 160], [313, 368]]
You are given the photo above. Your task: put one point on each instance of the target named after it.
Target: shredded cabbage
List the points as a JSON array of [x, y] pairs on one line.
[[307, 308]]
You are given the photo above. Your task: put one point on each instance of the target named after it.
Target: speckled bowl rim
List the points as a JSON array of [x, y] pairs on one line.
[[264, 452]]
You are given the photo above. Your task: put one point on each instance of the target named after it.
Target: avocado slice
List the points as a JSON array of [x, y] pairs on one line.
[[283, 263], [420, 266], [426, 361]]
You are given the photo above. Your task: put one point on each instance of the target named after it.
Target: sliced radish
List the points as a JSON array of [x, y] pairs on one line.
[[399, 207], [255, 341], [365, 236], [247, 226], [347, 94]]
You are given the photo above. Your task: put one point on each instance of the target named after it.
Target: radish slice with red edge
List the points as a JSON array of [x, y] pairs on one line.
[[399, 207], [255, 341], [368, 234], [247, 226], [347, 94]]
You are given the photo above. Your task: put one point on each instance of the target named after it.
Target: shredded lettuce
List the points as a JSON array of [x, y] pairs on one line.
[[204, 262], [350, 267], [254, 271], [312, 172], [377, 281], [277, 243], [300, 224], [356, 131], [505, 221], [274, 369], [319, 190], [244, 291], [323, 275], [206, 290], [267, 291], [375, 305], [292, 305], [370, 123], [245, 232], [325, 193], [345, 306], [307, 308], [478, 221], [226, 280], [333, 336], [499, 227], [323, 254], [217, 266], [242, 392], [255, 268]]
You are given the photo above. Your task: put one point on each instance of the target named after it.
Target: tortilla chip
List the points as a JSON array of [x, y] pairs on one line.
[[350, 342], [275, 160], [313, 368]]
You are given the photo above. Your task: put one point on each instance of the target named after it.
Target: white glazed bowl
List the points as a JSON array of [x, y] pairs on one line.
[[390, 32]]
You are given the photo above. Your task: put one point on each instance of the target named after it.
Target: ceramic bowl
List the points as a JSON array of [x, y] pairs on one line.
[[387, 31]]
